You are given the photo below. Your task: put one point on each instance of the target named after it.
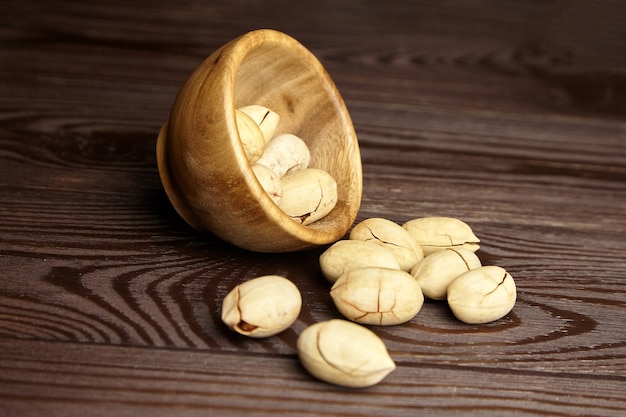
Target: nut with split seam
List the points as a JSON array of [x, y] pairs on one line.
[[439, 233], [346, 255], [344, 353], [308, 195], [262, 306], [378, 296], [266, 119], [482, 295], [392, 236], [437, 270]]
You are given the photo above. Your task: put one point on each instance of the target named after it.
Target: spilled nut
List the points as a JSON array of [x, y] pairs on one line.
[[392, 236], [439, 233], [437, 270], [482, 295], [378, 296], [346, 255], [344, 353], [262, 306]]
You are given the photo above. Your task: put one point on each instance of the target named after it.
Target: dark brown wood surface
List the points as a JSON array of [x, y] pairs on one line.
[[510, 115]]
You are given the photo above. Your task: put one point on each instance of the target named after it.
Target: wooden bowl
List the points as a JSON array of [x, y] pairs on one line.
[[201, 161]]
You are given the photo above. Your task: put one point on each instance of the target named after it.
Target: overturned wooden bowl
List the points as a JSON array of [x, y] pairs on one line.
[[201, 161]]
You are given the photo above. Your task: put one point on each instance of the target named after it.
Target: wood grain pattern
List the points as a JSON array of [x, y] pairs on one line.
[[509, 115]]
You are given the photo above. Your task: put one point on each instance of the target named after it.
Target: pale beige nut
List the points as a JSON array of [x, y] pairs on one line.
[[379, 296], [266, 119], [262, 307], [392, 236], [250, 136], [482, 295], [344, 353], [308, 195], [437, 270], [438, 233], [285, 153], [346, 255], [270, 182]]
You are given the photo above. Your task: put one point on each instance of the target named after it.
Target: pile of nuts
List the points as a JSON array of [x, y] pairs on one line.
[[380, 276], [435, 259], [281, 165]]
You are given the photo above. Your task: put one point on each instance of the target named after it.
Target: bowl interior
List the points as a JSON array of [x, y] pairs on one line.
[[302, 93]]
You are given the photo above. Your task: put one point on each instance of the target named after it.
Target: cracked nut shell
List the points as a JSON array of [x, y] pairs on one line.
[[346, 255], [437, 270], [344, 353], [379, 296], [482, 295], [262, 306], [438, 233], [392, 236]]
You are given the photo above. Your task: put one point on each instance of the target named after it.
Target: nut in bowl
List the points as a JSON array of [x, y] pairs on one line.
[[202, 163]]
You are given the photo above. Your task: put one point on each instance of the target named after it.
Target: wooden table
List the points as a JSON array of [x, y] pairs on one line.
[[508, 115]]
